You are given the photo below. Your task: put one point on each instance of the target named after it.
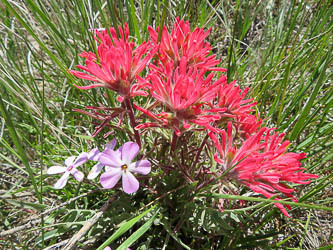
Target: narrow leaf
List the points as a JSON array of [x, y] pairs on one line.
[[124, 228], [138, 233]]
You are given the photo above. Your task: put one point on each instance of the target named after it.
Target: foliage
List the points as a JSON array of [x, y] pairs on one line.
[[282, 50]]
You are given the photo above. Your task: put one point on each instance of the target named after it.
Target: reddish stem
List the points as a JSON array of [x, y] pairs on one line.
[[174, 142], [199, 152], [202, 185], [132, 120]]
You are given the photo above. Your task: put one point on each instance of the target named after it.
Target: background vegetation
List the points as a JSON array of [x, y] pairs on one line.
[[282, 50]]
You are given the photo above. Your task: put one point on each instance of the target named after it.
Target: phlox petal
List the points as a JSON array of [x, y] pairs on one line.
[[94, 154], [81, 159], [62, 181], [111, 158], [56, 170], [130, 183], [111, 144], [109, 179], [69, 161], [77, 174], [95, 171], [129, 151], [141, 167]]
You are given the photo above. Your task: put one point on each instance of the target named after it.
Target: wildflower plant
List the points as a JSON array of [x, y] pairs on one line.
[[191, 128], [208, 131]]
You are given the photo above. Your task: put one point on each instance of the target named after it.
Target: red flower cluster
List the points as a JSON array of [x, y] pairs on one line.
[[181, 80], [186, 95], [184, 43], [117, 64], [261, 163]]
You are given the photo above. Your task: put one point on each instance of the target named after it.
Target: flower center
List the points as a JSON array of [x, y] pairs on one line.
[[124, 167], [69, 168]]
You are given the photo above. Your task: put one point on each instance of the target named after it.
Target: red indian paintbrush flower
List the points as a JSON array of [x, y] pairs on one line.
[[116, 64], [184, 43], [262, 163], [186, 95], [247, 125], [232, 98]]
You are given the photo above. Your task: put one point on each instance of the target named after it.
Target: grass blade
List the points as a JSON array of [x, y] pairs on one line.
[[318, 75], [19, 147], [245, 198], [138, 233], [124, 228]]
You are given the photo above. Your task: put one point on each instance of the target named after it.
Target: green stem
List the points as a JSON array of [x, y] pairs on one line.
[[42, 155], [229, 73], [165, 9]]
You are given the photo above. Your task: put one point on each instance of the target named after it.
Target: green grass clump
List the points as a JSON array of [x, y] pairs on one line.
[[282, 50]]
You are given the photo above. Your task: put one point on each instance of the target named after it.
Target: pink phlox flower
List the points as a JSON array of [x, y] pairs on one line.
[[120, 165], [119, 63], [94, 155], [262, 163], [184, 43], [71, 164]]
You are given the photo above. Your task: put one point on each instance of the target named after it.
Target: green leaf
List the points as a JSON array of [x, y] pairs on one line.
[[20, 149], [135, 22], [124, 228], [285, 240], [29, 205], [138, 233], [19, 15], [174, 236], [85, 137], [319, 76], [245, 198], [328, 247]]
